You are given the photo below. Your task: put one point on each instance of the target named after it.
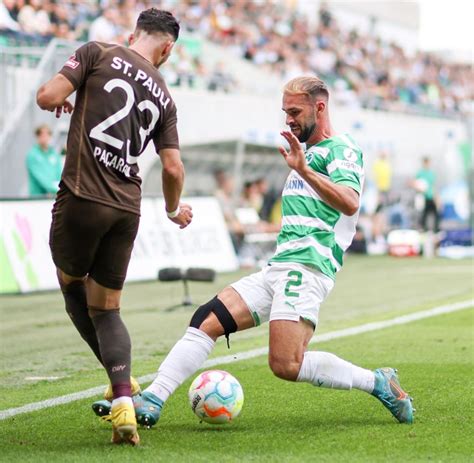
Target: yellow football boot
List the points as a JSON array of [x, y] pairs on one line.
[[124, 424], [102, 408], [136, 389]]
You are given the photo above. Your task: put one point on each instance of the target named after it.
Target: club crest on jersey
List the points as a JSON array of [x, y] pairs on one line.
[[350, 155], [72, 62]]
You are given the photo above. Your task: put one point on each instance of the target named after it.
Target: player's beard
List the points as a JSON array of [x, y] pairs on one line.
[[306, 131]]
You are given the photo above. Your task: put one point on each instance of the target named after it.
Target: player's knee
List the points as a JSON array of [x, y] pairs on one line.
[[284, 368], [107, 301], [211, 327], [214, 319], [73, 287], [69, 283], [101, 296]]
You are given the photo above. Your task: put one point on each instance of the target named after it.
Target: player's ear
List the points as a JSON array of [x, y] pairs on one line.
[[320, 107], [131, 39], [168, 47]]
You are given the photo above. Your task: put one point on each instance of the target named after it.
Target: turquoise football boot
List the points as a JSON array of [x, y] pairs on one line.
[[388, 390], [103, 409], [147, 408]]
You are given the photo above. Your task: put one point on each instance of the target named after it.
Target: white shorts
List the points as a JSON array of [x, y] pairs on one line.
[[284, 291]]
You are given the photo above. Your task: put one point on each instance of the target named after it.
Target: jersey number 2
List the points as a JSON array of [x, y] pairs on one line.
[[296, 279], [98, 132]]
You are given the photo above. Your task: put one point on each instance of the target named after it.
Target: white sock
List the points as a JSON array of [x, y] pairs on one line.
[[184, 359], [122, 400], [327, 370]]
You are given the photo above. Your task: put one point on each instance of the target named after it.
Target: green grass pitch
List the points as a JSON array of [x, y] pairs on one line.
[[280, 421]]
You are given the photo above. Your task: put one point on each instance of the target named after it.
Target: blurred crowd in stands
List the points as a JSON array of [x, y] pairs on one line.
[[362, 70], [36, 22], [252, 215]]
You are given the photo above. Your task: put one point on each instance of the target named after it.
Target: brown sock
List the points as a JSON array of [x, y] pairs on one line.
[[76, 306], [115, 348]]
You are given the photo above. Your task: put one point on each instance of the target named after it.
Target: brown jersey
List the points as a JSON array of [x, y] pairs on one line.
[[121, 104]]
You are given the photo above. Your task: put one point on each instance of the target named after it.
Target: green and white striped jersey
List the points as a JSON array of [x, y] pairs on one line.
[[314, 233]]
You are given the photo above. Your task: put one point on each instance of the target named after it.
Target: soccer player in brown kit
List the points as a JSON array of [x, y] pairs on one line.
[[121, 104]]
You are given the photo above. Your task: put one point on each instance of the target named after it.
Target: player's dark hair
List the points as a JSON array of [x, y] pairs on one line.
[[155, 20]]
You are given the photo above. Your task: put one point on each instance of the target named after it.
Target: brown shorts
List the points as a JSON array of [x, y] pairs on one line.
[[88, 238]]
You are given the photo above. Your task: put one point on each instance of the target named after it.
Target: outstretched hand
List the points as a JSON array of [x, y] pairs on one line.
[[295, 158], [66, 108], [185, 216]]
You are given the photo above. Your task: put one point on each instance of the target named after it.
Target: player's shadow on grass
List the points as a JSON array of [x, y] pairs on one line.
[[199, 428], [290, 424], [324, 418]]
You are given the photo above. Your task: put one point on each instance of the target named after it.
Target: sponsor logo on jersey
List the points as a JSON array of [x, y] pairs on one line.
[[350, 155], [294, 184], [72, 62], [346, 165]]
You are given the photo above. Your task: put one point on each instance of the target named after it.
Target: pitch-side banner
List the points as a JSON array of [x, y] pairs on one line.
[[25, 260]]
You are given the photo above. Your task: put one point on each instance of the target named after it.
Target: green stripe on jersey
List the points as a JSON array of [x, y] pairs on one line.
[[326, 238], [307, 256]]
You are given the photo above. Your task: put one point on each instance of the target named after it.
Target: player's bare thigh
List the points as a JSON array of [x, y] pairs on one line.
[[97, 295], [288, 343], [237, 308]]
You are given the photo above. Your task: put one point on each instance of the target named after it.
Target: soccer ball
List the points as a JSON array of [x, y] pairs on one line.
[[216, 397]]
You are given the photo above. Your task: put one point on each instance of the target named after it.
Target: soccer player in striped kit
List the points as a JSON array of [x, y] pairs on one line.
[[320, 207]]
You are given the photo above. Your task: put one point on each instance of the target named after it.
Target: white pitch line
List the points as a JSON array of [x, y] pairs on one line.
[[367, 327]]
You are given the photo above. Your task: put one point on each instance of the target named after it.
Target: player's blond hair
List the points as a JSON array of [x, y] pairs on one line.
[[311, 86]]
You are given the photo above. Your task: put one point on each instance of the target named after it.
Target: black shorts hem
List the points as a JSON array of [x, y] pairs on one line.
[[109, 284]]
